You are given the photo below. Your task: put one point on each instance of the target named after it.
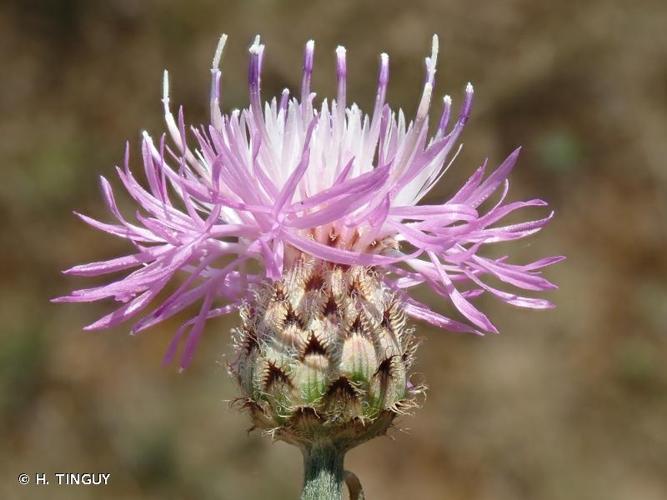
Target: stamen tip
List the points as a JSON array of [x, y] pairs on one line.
[[256, 48], [308, 57], [218, 51], [165, 86], [341, 68], [383, 77]]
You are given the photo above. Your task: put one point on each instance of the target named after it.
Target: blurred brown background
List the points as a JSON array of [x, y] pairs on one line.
[[566, 404]]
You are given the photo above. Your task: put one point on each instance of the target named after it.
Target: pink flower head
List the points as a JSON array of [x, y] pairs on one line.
[[283, 177]]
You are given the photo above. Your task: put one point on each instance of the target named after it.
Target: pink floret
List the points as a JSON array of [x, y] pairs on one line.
[[282, 177]]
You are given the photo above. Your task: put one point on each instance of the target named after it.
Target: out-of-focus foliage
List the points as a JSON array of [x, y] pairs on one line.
[[567, 404]]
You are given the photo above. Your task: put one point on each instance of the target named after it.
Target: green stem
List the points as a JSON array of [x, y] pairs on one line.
[[323, 472]]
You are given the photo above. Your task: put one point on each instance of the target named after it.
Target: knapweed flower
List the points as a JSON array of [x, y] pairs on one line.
[[282, 183]]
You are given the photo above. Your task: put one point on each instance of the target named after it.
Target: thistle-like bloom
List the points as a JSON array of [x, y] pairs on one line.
[[284, 179]]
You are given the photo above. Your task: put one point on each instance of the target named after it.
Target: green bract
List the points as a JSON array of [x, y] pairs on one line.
[[325, 352]]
